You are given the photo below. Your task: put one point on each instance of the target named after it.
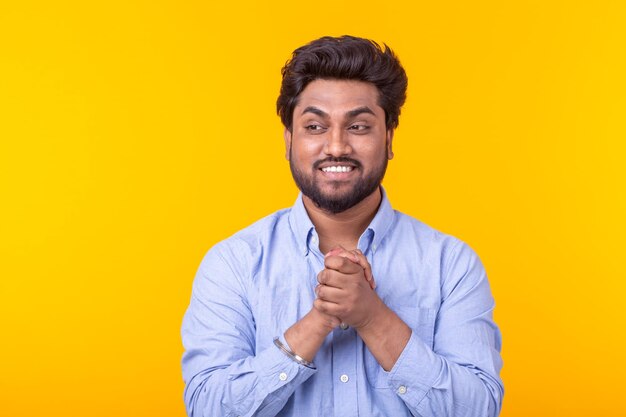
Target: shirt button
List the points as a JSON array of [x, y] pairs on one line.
[[402, 389], [344, 326], [344, 378], [282, 376]]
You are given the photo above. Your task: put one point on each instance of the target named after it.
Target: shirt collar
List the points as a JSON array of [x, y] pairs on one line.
[[302, 227], [301, 224], [382, 221]]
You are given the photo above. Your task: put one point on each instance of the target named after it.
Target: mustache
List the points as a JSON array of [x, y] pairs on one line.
[[350, 161]]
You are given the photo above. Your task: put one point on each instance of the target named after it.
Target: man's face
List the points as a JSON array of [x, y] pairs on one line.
[[339, 144]]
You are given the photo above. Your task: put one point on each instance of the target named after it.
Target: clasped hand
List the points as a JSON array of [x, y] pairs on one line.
[[346, 288]]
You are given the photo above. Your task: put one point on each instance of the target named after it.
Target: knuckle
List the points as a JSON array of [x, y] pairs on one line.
[[320, 291]]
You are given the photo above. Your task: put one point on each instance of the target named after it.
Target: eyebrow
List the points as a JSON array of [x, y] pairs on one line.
[[360, 110], [316, 111], [350, 114]]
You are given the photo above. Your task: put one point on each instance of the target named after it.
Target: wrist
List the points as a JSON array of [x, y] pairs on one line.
[[378, 319], [386, 336], [291, 355], [322, 323], [307, 335]]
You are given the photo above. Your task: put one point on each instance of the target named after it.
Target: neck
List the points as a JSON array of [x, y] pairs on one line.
[[343, 228]]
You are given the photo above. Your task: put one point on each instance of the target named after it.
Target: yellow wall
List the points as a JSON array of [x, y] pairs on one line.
[[134, 135]]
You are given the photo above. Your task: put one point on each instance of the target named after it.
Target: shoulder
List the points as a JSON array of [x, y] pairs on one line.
[[241, 250], [407, 229], [452, 254]]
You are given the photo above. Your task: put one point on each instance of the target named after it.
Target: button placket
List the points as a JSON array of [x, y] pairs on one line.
[[344, 356]]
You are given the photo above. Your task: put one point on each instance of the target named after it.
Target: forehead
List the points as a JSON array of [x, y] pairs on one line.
[[339, 96]]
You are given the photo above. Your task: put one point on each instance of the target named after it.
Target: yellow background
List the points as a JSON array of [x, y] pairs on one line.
[[136, 134]]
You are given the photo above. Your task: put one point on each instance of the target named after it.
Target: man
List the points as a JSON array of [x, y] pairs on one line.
[[341, 306]]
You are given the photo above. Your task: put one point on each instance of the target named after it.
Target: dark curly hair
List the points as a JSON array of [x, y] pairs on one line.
[[344, 58]]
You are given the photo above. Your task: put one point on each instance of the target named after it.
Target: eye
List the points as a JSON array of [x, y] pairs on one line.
[[314, 128], [359, 128]]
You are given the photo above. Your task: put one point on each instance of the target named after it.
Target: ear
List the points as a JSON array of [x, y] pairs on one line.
[[389, 142], [287, 136]]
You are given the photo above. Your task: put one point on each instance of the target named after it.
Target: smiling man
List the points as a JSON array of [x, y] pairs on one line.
[[341, 306]]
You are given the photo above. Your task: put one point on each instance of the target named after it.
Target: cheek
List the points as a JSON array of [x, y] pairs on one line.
[[373, 154], [306, 151]]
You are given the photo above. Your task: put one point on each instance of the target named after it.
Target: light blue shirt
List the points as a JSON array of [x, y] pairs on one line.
[[252, 287]]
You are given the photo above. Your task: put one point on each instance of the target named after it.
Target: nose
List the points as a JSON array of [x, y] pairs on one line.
[[337, 143]]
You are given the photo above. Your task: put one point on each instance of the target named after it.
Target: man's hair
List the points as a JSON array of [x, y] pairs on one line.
[[344, 58]]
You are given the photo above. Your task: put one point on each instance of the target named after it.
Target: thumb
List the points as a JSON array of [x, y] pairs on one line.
[[343, 252]]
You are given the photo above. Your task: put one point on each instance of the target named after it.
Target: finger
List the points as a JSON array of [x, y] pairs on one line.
[[323, 277], [364, 263], [331, 294], [333, 278], [326, 307], [360, 259], [335, 251], [357, 257], [341, 251], [337, 279], [342, 264]]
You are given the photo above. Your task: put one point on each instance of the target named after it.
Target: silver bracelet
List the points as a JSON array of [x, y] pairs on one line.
[[293, 356]]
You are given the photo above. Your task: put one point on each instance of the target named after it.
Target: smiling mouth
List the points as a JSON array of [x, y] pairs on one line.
[[337, 168]]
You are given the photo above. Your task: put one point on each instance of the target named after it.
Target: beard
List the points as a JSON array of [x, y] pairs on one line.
[[339, 201]]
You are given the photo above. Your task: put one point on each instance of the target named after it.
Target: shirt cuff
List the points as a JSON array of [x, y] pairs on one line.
[[416, 371], [278, 370]]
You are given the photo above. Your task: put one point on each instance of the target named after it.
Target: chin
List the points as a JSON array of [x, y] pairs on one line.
[[336, 195]]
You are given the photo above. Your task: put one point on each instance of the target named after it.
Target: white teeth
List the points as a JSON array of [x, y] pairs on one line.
[[337, 169]]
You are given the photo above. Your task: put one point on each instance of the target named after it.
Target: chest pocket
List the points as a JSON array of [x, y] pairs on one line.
[[421, 321]]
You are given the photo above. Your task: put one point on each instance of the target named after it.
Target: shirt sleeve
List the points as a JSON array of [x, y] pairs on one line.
[[460, 375], [224, 373]]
